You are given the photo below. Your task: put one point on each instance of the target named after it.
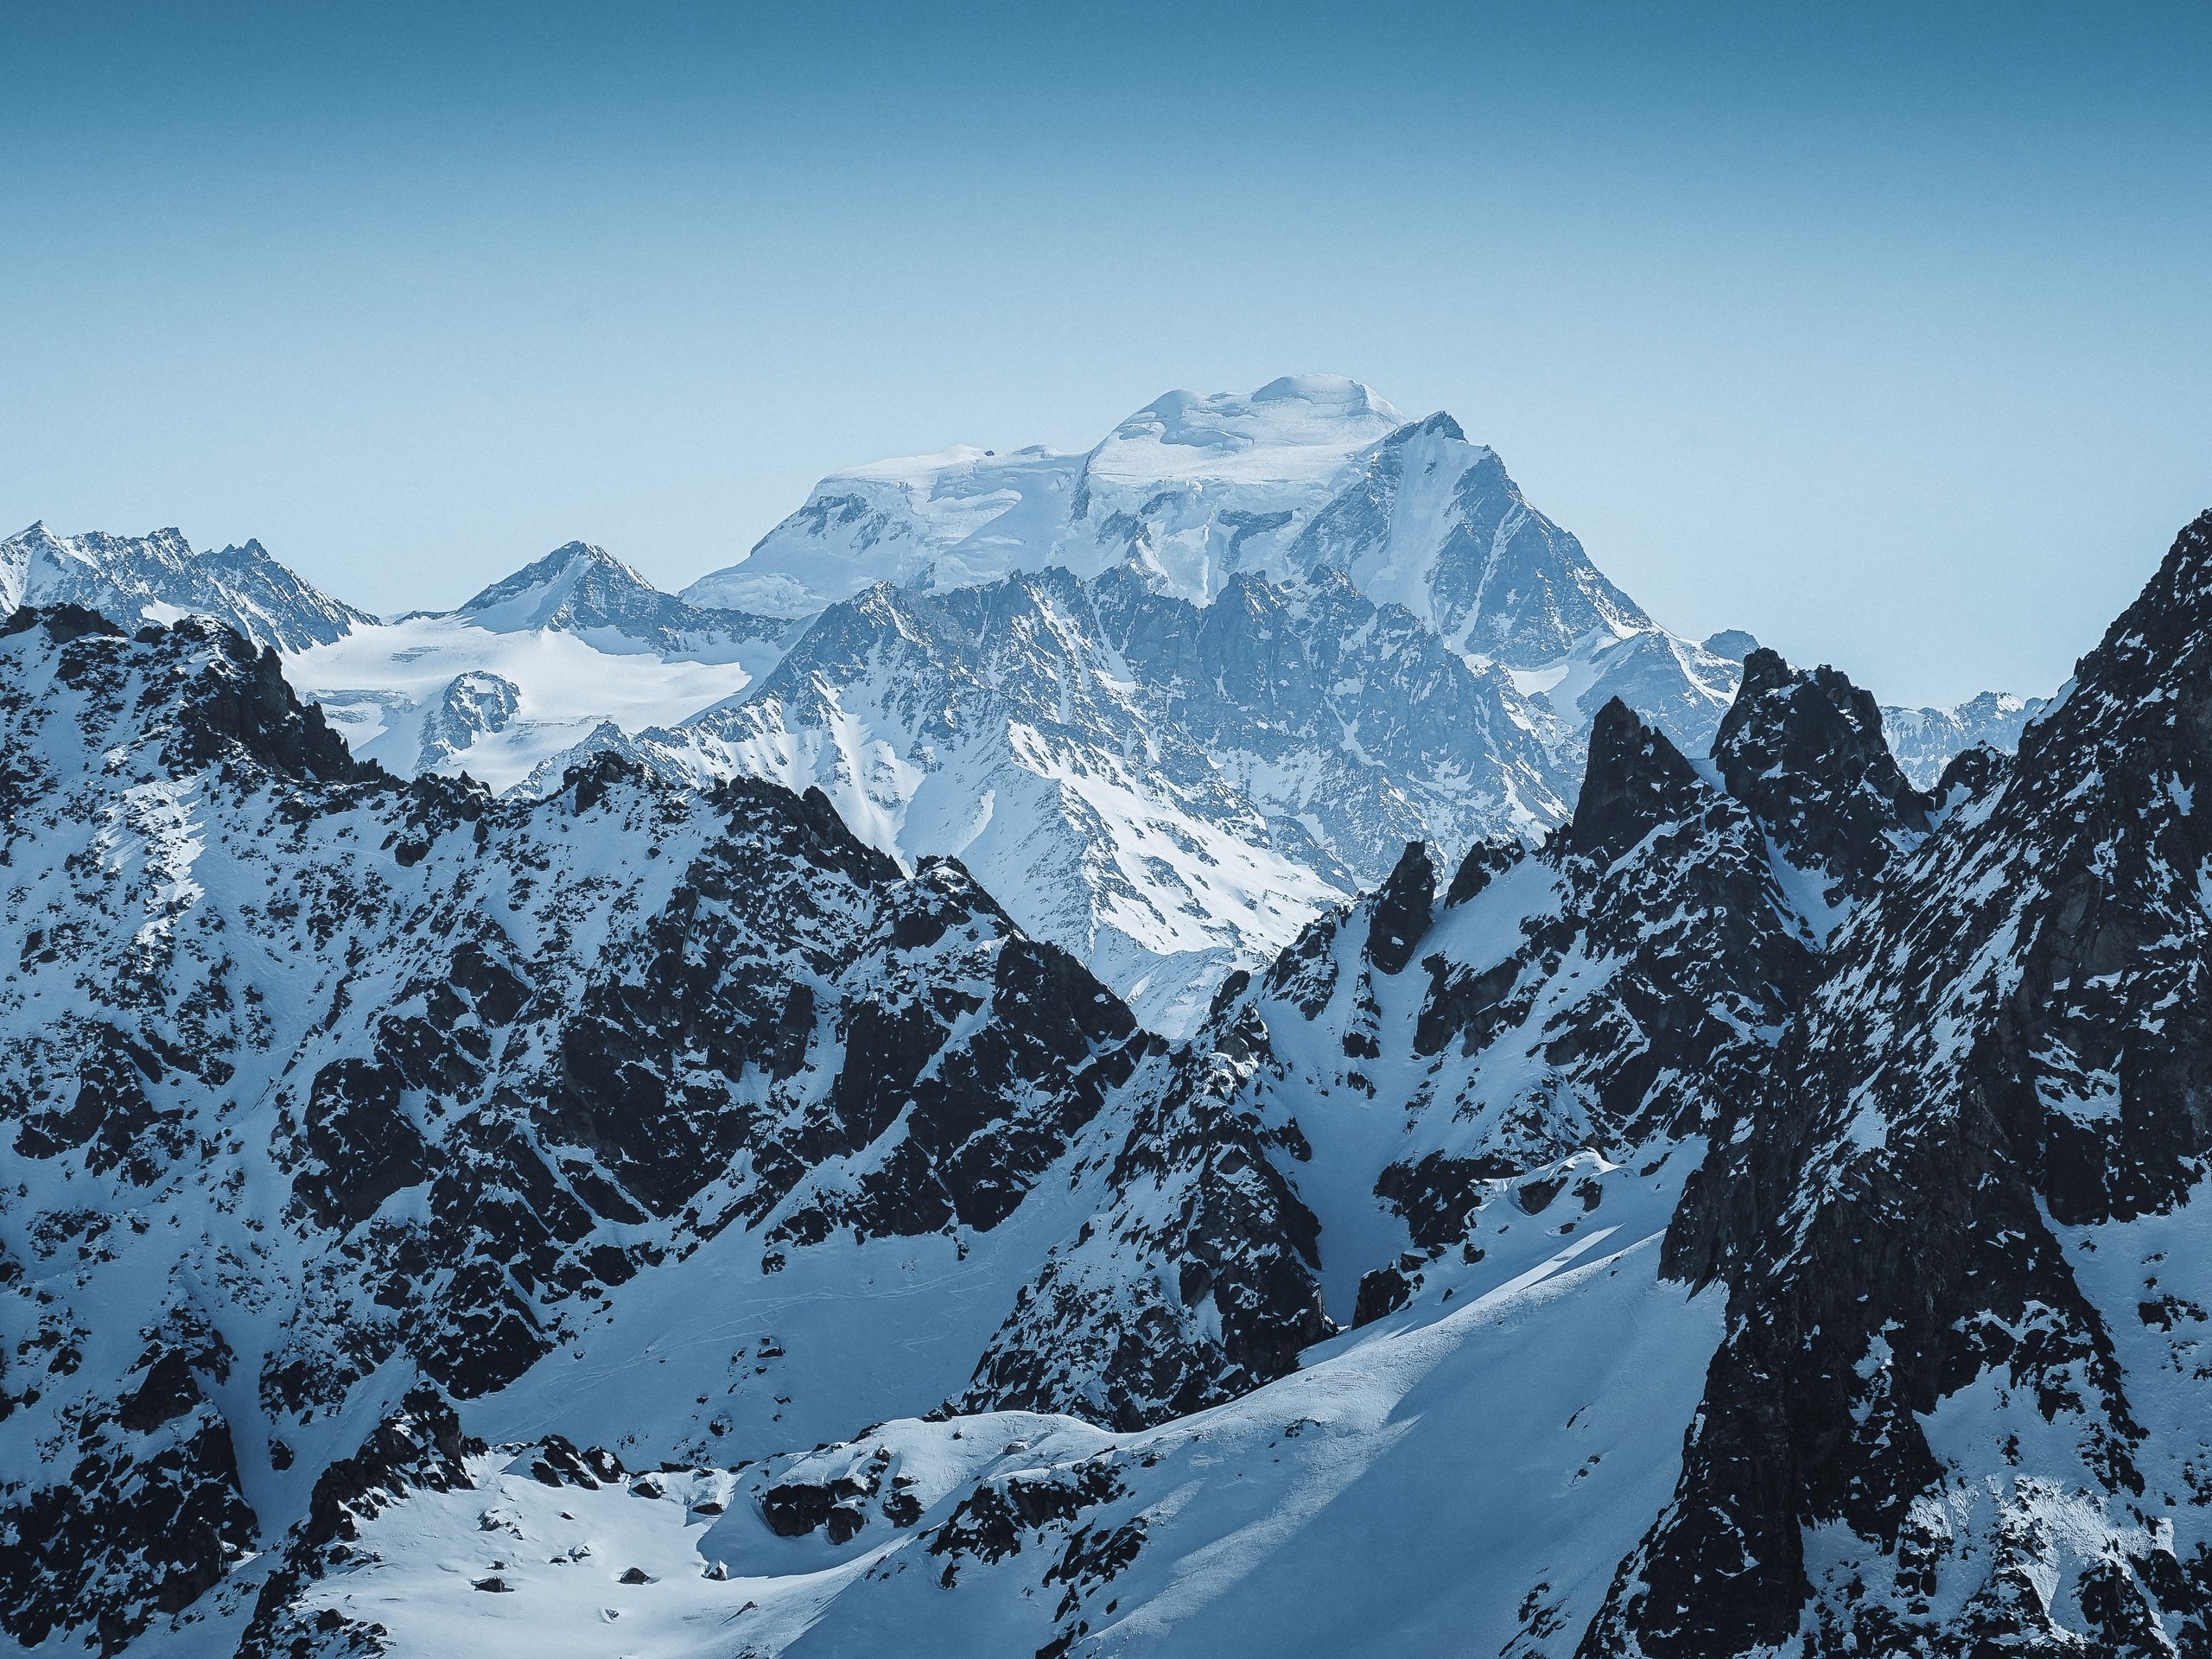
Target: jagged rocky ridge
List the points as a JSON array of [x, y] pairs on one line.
[[423, 1088], [1962, 1402], [1438, 1118], [161, 577], [320, 1083]]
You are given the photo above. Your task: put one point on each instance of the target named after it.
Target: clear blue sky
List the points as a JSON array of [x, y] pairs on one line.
[[1883, 333]]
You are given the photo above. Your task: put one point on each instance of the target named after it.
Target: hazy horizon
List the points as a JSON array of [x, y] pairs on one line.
[[1880, 336]]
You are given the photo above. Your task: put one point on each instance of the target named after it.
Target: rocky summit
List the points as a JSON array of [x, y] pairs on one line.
[[1612, 1184]]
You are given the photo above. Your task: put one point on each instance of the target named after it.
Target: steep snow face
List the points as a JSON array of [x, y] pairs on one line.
[[355, 1125], [1610, 991], [160, 578], [1963, 1392], [1925, 739], [1434, 524], [1192, 488], [1462, 1475], [530, 667]]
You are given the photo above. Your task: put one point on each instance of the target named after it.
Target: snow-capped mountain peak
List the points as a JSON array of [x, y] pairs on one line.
[[532, 596], [532, 664], [160, 577], [1191, 488], [1309, 474], [1300, 423]]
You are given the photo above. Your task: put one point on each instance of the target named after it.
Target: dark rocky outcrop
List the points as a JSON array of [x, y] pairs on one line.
[[1400, 910], [1637, 781], [1804, 750], [1917, 1193], [1196, 1281]]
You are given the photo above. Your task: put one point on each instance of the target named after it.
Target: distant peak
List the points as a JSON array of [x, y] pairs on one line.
[[1732, 644], [569, 558]]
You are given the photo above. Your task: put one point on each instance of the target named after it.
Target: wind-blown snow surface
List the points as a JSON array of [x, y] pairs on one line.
[[1340, 1511]]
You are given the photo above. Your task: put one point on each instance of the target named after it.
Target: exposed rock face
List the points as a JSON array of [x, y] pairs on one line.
[[1637, 781], [1805, 751], [1196, 1281], [436, 1074], [1345, 721], [420, 1447], [1956, 1226], [1500, 579], [1402, 910], [474, 704]]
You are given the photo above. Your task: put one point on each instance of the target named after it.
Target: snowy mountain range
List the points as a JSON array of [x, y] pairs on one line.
[[160, 578], [1253, 1057], [1754, 1214], [1169, 699]]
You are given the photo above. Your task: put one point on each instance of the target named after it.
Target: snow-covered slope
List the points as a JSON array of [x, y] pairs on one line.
[[1773, 1134], [319, 1086], [529, 667], [1472, 1159], [1459, 1479], [1302, 632], [159, 578]]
